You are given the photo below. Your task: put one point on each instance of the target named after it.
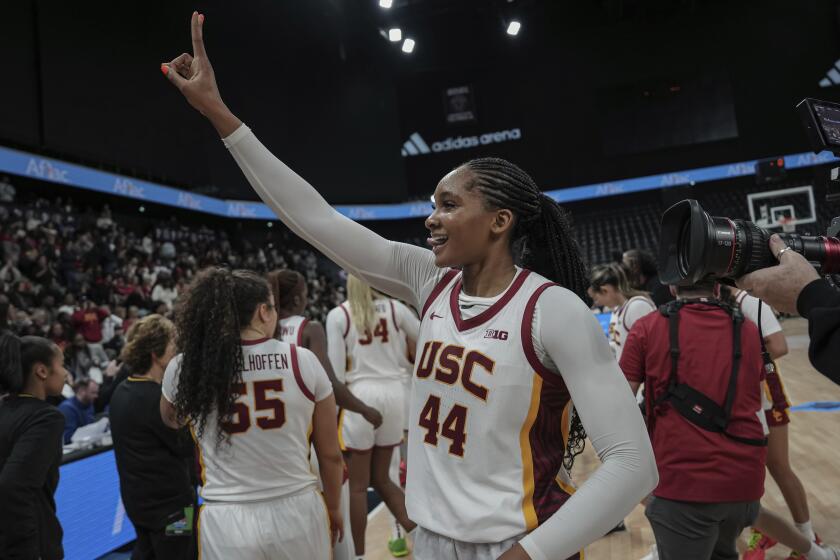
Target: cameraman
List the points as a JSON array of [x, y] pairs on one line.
[[794, 286], [710, 481]]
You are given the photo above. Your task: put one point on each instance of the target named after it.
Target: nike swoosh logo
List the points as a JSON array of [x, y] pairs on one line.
[[434, 315]]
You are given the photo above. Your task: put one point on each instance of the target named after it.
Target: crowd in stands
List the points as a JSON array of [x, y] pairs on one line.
[[81, 277]]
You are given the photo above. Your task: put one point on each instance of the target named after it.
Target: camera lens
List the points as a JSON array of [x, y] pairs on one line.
[[695, 246]]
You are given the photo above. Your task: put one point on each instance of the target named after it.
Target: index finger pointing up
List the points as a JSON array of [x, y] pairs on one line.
[[196, 25]]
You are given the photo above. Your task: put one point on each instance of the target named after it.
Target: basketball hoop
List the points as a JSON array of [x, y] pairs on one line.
[[788, 224]]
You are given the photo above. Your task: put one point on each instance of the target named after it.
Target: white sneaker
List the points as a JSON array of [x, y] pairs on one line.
[[654, 554]]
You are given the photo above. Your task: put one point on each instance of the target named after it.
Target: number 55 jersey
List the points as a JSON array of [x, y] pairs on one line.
[[267, 456], [488, 421]]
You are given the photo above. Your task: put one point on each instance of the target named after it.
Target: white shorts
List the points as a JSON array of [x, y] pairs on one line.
[[388, 397], [432, 546], [283, 529]]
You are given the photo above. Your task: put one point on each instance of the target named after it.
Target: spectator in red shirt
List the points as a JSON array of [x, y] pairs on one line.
[[710, 482], [88, 321]]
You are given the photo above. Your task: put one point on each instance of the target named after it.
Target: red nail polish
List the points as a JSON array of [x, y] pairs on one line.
[[165, 69]]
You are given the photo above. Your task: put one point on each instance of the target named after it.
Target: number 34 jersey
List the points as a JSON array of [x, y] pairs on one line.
[[488, 422], [268, 454]]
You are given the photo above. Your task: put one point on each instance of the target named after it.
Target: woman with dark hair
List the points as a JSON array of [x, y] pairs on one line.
[[503, 349], [153, 460], [642, 274], [253, 403], [291, 294], [31, 369]]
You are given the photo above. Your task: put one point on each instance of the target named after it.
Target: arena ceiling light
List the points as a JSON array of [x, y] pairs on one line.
[[395, 34], [386, 3], [514, 27], [408, 46]]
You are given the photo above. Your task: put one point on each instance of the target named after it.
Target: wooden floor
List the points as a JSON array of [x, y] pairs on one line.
[[815, 456]]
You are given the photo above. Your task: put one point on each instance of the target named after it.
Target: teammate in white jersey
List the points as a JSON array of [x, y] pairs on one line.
[[609, 288], [490, 388], [366, 338], [778, 456], [254, 404], [291, 294]]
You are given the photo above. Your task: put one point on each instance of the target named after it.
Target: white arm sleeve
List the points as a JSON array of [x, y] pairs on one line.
[[612, 421], [397, 269], [336, 347], [407, 321]]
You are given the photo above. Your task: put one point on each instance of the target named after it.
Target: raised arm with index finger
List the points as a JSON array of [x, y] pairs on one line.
[[503, 260]]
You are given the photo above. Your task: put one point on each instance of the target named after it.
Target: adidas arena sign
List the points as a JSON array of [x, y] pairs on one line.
[[416, 146]]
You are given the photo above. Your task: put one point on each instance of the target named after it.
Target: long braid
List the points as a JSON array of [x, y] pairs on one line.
[[543, 237], [543, 241]]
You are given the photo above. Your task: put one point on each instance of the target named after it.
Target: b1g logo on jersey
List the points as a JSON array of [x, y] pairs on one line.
[[496, 335], [451, 363]]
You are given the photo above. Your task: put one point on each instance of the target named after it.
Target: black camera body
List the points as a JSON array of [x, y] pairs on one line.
[[694, 246]]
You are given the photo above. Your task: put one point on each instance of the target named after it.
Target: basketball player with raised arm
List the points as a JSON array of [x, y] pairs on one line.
[[505, 343]]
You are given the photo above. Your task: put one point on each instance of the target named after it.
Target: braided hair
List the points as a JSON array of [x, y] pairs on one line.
[[209, 317], [542, 241]]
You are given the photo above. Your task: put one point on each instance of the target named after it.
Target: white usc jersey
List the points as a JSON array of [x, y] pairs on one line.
[[749, 307], [268, 454], [488, 422], [623, 318], [291, 328], [380, 354]]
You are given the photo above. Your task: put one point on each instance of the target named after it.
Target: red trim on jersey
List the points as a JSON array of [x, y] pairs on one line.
[[547, 451], [489, 313], [300, 332], [296, 369], [739, 299], [443, 283], [253, 342], [394, 315], [528, 342], [347, 326]]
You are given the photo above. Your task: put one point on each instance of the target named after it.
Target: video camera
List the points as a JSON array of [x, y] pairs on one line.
[[694, 246]]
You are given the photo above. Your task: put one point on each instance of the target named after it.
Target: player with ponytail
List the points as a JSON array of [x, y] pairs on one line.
[[31, 432], [505, 344]]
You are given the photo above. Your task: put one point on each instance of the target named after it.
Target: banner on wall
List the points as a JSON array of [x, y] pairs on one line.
[[416, 145], [459, 105]]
